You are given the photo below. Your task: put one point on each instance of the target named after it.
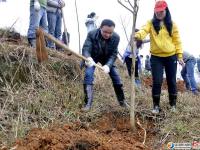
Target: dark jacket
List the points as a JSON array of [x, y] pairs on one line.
[[101, 50]]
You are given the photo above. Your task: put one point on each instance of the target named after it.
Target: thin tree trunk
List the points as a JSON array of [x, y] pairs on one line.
[[77, 18], [133, 9], [133, 48]]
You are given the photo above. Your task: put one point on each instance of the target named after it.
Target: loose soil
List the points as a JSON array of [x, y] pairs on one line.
[[111, 132], [147, 81]]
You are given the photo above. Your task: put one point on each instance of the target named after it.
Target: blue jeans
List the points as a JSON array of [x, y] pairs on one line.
[[89, 75], [187, 74], [158, 64], [36, 19], [54, 26]]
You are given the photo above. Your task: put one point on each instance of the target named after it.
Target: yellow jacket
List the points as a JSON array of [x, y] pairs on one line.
[[162, 44]]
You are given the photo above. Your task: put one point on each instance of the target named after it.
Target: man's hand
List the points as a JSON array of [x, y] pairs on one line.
[[106, 69], [36, 5], [181, 62], [90, 62]]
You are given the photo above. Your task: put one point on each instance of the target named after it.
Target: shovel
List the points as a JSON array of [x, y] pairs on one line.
[[41, 51]]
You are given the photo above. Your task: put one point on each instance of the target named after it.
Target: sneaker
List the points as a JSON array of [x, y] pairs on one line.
[[86, 108], [173, 109], [156, 110]]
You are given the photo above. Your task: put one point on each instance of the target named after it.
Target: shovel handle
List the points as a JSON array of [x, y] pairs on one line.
[[65, 27], [65, 47]]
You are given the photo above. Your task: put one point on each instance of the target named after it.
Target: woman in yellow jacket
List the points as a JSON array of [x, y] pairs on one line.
[[165, 48]]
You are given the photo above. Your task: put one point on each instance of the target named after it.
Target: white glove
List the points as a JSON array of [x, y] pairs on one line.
[[62, 4], [36, 5], [90, 62], [106, 69]]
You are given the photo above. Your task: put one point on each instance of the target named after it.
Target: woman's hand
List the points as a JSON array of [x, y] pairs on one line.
[[181, 62]]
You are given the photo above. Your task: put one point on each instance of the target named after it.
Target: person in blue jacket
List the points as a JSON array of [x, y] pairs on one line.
[[127, 58]]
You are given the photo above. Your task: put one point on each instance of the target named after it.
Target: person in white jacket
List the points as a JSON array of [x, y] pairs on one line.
[[91, 22], [54, 17]]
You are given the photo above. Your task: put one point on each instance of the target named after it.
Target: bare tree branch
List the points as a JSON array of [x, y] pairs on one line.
[[119, 1], [130, 4], [124, 28], [145, 132]]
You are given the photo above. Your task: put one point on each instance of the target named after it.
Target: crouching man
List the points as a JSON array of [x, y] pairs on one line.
[[101, 45]]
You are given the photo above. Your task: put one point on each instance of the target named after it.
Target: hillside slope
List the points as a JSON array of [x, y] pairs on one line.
[[40, 107]]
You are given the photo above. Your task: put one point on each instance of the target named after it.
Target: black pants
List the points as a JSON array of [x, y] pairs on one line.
[[158, 64], [128, 62]]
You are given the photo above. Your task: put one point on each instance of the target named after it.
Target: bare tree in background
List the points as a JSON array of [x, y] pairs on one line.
[[124, 28], [133, 8]]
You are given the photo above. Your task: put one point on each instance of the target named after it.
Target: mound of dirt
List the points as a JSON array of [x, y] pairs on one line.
[[112, 131], [147, 81]]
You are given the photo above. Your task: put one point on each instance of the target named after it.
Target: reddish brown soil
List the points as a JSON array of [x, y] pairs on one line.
[[180, 84], [111, 132]]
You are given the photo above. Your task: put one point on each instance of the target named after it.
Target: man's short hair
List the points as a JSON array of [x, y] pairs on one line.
[[107, 22]]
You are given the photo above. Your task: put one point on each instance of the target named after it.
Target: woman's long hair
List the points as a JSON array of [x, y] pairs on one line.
[[167, 21]]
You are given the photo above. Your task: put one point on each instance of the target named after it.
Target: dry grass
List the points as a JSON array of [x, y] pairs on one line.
[[33, 95], [182, 126]]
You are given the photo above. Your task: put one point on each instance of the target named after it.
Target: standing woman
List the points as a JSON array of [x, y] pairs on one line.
[[166, 50]]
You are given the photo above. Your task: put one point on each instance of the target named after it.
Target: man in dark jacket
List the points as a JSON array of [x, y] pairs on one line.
[[101, 46]]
